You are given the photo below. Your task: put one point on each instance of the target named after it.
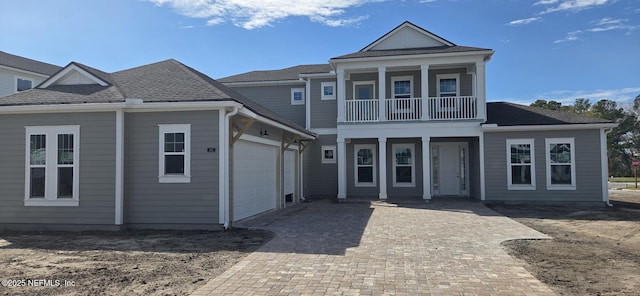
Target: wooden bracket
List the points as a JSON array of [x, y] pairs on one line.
[[247, 122]]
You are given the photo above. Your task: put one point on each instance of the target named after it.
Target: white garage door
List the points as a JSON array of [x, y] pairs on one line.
[[289, 172], [254, 178]]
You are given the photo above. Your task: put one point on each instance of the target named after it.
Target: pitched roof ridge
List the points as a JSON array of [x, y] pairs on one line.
[[106, 77], [198, 75], [24, 59], [401, 25]]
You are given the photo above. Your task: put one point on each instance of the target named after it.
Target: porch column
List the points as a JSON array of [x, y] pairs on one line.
[[382, 93], [482, 172], [382, 150], [424, 85], [480, 91], [340, 91], [342, 169], [426, 168]]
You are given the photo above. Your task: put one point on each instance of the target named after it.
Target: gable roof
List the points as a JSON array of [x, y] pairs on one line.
[[25, 64], [165, 81], [291, 73], [510, 114], [408, 26]]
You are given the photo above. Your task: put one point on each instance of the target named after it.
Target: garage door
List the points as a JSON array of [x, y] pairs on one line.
[[289, 173], [254, 178]]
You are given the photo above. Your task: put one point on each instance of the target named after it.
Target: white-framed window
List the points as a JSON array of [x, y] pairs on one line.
[[23, 84], [297, 96], [448, 85], [404, 169], [174, 153], [401, 90], [561, 167], [364, 90], [52, 165], [365, 165], [328, 91], [328, 154], [521, 164]]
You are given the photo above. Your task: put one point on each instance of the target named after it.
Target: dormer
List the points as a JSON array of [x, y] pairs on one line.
[[77, 74]]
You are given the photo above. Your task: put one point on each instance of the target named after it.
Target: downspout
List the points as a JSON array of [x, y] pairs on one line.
[[227, 181], [606, 132]]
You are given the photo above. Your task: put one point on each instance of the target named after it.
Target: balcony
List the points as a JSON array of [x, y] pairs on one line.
[[411, 109]]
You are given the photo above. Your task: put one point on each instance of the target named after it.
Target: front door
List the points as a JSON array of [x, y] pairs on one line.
[[449, 169]]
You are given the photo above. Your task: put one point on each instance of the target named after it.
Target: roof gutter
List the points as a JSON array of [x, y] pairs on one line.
[[261, 83], [411, 56], [492, 127]]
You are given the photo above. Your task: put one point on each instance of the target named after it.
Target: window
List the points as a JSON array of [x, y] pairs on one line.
[[297, 96], [401, 90], [403, 165], [448, 85], [521, 165], [175, 153], [561, 169], [52, 156], [328, 154], [365, 165], [328, 91], [23, 84]]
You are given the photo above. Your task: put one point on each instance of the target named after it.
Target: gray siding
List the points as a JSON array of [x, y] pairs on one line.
[[587, 161], [277, 98], [148, 202], [321, 179], [466, 81], [97, 170], [324, 114], [8, 80]]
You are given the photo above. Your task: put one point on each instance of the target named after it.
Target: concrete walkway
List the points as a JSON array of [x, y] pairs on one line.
[[441, 248]]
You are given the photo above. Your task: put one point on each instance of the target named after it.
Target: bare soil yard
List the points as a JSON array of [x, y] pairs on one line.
[[594, 251], [119, 263]]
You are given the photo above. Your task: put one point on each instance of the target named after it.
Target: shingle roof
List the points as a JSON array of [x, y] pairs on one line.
[[166, 81], [409, 51], [510, 114], [17, 62], [291, 73]]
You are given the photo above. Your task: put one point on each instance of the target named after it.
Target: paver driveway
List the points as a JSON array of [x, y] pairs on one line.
[[441, 248]]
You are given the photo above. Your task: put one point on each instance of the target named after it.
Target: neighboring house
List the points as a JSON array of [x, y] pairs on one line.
[[157, 146], [20, 74], [407, 116]]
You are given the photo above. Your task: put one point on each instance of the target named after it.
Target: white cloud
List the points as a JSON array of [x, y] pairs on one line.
[[573, 5], [622, 95], [523, 21], [571, 36], [608, 24], [253, 14], [546, 2]]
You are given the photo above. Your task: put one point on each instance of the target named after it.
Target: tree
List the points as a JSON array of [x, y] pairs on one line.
[[581, 106]]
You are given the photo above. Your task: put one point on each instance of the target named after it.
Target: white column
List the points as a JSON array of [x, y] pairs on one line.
[[342, 169], [340, 91], [426, 168], [382, 93], [424, 85], [119, 206], [480, 89], [482, 172], [382, 151]]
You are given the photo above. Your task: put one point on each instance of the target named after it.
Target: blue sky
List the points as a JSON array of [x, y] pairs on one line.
[[545, 49]]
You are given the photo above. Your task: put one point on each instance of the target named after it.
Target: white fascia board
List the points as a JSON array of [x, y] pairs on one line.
[[331, 74], [61, 108], [428, 57], [263, 83], [24, 71], [489, 128], [325, 131], [68, 69], [134, 105], [410, 130], [266, 141], [273, 123]]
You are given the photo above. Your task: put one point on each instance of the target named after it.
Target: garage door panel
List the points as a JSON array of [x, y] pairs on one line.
[[254, 178]]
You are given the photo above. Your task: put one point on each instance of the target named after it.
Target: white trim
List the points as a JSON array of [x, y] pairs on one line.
[[266, 141], [251, 114], [426, 168], [307, 107], [222, 162], [532, 164], [405, 25], [444, 56], [549, 141], [395, 79], [482, 167], [494, 128], [330, 74], [174, 128], [357, 147], [68, 69], [302, 92], [24, 71], [263, 83], [604, 164], [119, 190], [328, 148], [51, 165], [324, 97], [15, 82], [455, 76], [412, 148], [382, 156], [325, 131], [365, 82]]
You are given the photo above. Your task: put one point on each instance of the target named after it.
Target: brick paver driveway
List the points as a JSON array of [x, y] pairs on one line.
[[442, 248]]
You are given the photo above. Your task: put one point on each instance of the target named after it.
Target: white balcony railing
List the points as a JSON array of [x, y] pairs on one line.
[[409, 109]]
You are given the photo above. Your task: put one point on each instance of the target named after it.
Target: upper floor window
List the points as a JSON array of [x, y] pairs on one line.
[[448, 85], [328, 91], [297, 96], [52, 166], [561, 168], [402, 87], [520, 164], [23, 84], [175, 153]]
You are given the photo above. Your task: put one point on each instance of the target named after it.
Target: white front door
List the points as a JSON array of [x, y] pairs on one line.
[[449, 169]]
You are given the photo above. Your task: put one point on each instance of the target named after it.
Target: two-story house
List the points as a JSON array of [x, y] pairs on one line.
[[407, 116], [20, 74]]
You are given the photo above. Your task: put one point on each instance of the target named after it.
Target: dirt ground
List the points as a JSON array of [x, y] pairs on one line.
[[119, 263], [594, 251]]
